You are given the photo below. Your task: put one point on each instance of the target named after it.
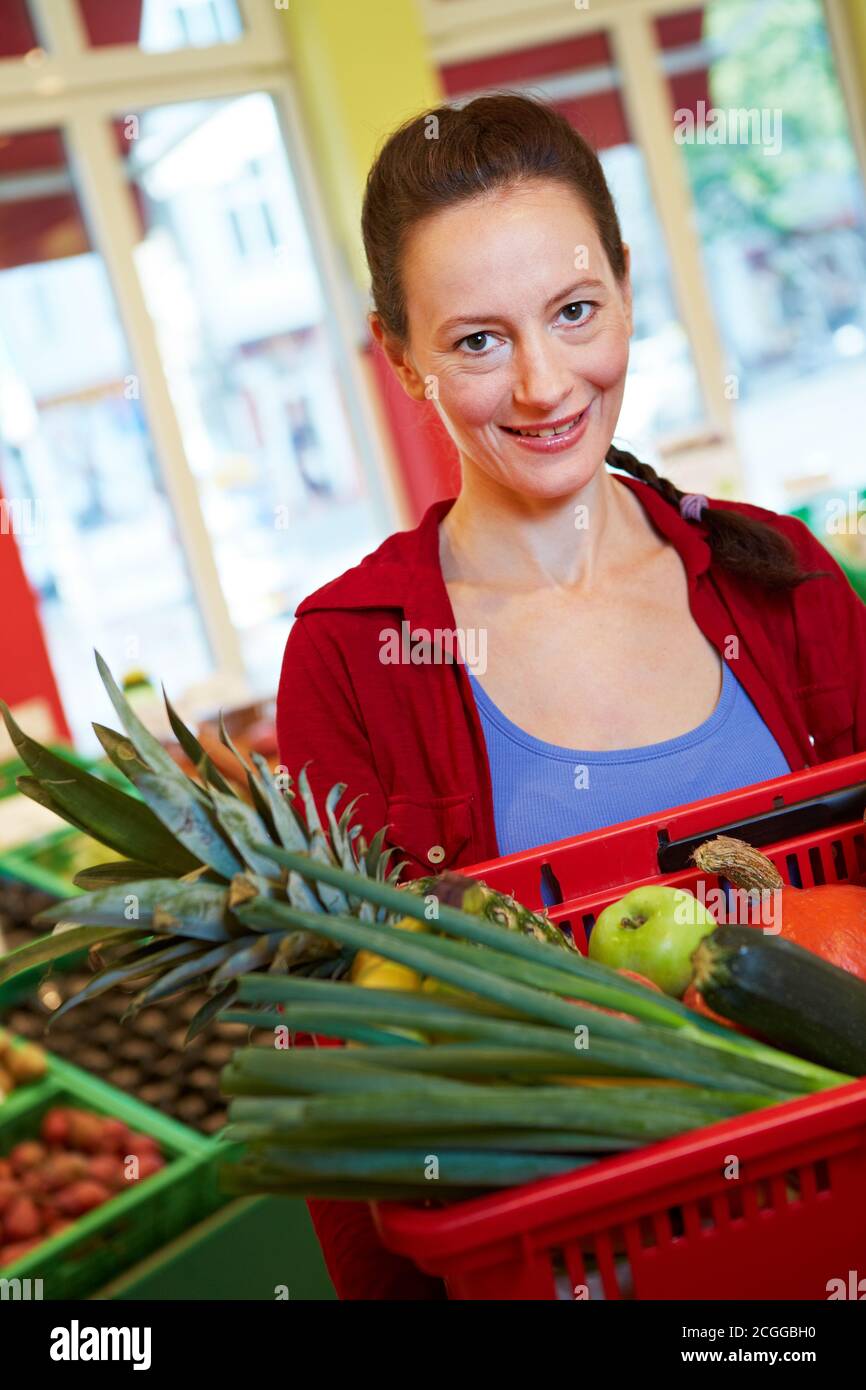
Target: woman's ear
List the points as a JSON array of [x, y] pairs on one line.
[[408, 377]]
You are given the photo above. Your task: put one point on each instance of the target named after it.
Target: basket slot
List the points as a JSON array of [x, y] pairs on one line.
[[823, 1180], [841, 868], [575, 1267], [816, 865], [779, 1192], [858, 840]]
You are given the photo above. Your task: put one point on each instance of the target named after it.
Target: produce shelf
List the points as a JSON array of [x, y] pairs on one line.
[[100, 1245], [665, 1222]]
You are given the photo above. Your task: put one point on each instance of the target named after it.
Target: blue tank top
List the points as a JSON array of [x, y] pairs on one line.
[[543, 793]]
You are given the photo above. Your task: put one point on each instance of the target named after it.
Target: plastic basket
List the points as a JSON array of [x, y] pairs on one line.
[[102, 1244], [665, 1222]]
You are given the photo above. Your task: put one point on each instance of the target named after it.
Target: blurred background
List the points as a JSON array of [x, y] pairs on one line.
[[195, 430]]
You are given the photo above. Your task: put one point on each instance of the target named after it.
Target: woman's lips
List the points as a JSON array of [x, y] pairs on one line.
[[554, 443]]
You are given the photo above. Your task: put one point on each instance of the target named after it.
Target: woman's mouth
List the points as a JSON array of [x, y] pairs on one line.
[[553, 437]]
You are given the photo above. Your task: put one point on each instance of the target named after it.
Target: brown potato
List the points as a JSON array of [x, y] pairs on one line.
[[26, 1063]]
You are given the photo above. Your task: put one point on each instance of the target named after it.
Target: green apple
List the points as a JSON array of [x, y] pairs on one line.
[[652, 930]]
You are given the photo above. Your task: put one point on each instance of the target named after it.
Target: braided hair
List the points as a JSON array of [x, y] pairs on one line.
[[748, 548]]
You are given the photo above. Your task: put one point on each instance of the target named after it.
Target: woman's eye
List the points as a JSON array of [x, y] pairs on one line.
[[573, 312], [475, 342]]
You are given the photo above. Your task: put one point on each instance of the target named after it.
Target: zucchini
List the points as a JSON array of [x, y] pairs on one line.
[[794, 999]]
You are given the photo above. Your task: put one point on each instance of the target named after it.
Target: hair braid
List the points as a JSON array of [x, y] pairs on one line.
[[743, 545]]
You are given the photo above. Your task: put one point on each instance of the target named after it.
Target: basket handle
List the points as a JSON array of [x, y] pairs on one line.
[[783, 822]]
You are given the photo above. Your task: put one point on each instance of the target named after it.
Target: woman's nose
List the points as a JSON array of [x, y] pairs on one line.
[[542, 378]]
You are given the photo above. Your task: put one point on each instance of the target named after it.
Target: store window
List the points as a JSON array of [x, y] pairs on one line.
[[77, 468], [761, 123], [248, 358], [158, 26], [580, 78]]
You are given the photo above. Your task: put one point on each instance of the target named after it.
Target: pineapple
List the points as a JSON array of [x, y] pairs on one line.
[[182, 907]]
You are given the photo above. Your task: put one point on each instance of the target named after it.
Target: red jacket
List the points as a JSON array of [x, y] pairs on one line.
[[409, 738]]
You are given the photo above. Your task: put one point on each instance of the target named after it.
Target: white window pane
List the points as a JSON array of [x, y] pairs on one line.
[[229, 277], [95, 528], [160, 25], [762, 125]]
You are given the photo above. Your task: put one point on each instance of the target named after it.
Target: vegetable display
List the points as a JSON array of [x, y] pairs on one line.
[[78, 1162]]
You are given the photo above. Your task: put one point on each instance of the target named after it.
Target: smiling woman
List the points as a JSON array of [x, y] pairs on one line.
[[643, 648]]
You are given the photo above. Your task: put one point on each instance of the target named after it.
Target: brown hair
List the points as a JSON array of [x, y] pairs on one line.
[[449, 154]]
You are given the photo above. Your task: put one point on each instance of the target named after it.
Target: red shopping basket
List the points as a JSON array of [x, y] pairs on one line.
[[666, 1222]]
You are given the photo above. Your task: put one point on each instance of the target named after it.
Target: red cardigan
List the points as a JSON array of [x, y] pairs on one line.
[[408, 736]]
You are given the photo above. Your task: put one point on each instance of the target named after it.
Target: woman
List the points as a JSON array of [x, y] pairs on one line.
[[634, 648]]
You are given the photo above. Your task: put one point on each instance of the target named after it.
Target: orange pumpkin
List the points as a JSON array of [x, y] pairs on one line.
[[828, 919]]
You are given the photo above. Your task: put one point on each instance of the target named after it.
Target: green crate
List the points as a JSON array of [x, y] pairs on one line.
[[245, 1252], [99, 1246]]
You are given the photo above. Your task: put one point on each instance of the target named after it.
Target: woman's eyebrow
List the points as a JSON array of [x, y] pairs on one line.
[[569, 292]]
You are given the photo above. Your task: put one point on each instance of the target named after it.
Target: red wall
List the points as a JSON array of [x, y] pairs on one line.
[[25, 670]]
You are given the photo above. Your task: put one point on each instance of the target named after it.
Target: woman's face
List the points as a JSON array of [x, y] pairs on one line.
[[517, 323]]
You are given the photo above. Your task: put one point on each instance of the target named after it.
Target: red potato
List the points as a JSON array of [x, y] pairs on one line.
[[21, 1220], [81, 1197], [85, 1131], [141, 1144], [58, 1224], [9, 1190], [61, 1169], [16, 1249], [106, 1168], [26, 1155], [148, 1164], [115, 1137], [5, 1169], [55, 1126]]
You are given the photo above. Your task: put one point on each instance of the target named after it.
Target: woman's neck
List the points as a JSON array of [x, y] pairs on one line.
[[494, 538]]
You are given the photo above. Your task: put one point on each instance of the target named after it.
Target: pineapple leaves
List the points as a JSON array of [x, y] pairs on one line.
[[114, 871], [289, 830], [110, 815], [180, 805], [123, 973], [65, 943], [243, 825], [209, 1011], [160, 905], [194, 751], [146, 745]]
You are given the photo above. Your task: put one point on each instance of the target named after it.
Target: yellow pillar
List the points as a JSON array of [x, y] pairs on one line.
[[847, 21], [360, 70]]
